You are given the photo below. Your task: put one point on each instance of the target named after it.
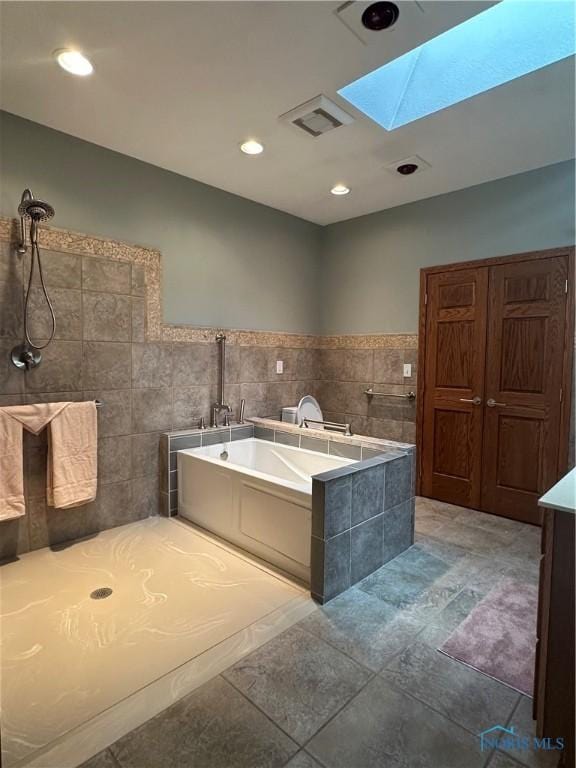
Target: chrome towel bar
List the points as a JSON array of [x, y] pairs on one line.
[[97, 403], [406, 396], [333, 426]]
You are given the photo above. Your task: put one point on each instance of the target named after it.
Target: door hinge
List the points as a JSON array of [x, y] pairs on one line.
[[561, 394], [566, 287], [425, 298]]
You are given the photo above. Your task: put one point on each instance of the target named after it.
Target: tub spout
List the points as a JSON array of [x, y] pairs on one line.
[[219, 408]]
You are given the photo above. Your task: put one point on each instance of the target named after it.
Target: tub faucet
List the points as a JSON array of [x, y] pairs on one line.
[[218, 408]]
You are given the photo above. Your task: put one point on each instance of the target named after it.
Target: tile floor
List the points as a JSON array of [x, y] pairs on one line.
[[359, 683]]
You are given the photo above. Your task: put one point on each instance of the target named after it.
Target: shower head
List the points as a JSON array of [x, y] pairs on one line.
[[36, 210]]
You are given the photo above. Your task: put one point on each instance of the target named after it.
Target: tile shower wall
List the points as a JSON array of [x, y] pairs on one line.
[[100, 351], [344, 374]]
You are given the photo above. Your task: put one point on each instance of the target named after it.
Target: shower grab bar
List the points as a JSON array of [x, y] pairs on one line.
[[333, 426], [407, 396]]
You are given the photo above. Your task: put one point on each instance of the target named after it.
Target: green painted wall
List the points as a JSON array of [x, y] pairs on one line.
[[370, 265], [228, 261], [233, 263]]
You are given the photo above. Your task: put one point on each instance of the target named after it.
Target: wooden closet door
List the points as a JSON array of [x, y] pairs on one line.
[[524, 374], [454, 387]]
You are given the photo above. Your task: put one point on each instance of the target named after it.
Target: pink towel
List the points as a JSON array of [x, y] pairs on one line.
[[72, 454], [11, 468]]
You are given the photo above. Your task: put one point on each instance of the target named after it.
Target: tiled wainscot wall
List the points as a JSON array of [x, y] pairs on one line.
[[152, 377], [345, 374]]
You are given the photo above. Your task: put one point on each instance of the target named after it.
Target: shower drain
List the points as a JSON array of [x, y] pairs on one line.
[[101, 593]]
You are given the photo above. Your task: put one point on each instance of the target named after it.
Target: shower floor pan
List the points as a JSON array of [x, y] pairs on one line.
[[103, 634]]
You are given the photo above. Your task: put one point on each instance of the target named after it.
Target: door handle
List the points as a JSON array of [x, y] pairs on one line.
[[491, 403], [474, 400]]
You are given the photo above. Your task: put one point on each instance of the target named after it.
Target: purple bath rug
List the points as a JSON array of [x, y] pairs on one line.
[[498, 638]]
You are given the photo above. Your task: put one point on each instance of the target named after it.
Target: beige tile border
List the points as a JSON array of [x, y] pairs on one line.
[[369, 341], [55, 239]]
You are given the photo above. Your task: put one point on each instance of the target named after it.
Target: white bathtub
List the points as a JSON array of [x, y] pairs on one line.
[[258, 497]]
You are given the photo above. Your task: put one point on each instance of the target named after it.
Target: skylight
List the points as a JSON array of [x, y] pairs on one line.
[[507, 41]]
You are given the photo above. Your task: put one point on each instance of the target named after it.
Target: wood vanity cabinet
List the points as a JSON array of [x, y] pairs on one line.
[[554, 679]]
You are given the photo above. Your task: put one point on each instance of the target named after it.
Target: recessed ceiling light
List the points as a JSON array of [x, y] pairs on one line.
[[73, 62], [252, 147], [407, 169], [340, 189], [379, 16]]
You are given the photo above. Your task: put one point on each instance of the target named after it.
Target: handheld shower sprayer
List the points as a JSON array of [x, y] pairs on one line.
[[36, 211], [27, 355]]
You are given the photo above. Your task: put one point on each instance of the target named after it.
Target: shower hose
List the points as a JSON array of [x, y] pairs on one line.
[[35, 256]]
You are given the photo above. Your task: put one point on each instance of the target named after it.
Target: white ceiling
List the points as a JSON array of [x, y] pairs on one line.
[[180, 84]]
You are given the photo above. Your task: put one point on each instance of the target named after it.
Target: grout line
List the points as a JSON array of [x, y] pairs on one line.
[[411, 695], [115, 760], [252, 703]]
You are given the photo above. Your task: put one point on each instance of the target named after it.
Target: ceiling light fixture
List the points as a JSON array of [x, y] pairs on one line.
[[379, 16], [407, 169], [340, 189], [73, 62], [252, 147]]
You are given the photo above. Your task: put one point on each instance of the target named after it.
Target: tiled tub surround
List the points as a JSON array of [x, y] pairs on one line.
[[356, 447], [362, 513], [257, 495], [362, 517], [351, 447]]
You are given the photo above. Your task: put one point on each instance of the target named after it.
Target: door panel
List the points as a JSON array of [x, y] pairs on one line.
[[520, 370], [454, 354], [524, 372], [452, 423], [452, 433]]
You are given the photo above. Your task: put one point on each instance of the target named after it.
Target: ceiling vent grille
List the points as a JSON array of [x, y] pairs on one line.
[[317, 116]]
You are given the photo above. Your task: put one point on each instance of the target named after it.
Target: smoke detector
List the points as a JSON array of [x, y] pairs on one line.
[[354, 15], [317, 116], [409, 166]]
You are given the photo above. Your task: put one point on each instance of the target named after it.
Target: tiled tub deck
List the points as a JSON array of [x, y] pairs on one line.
[[362, 514]]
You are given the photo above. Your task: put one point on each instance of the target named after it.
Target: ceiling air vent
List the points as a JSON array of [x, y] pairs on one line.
[[317, 116]]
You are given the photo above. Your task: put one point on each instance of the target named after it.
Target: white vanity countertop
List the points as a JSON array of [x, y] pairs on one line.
[[561, 496]]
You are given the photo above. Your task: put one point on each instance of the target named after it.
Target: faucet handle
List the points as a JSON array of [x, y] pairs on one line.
[[227, 419]]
